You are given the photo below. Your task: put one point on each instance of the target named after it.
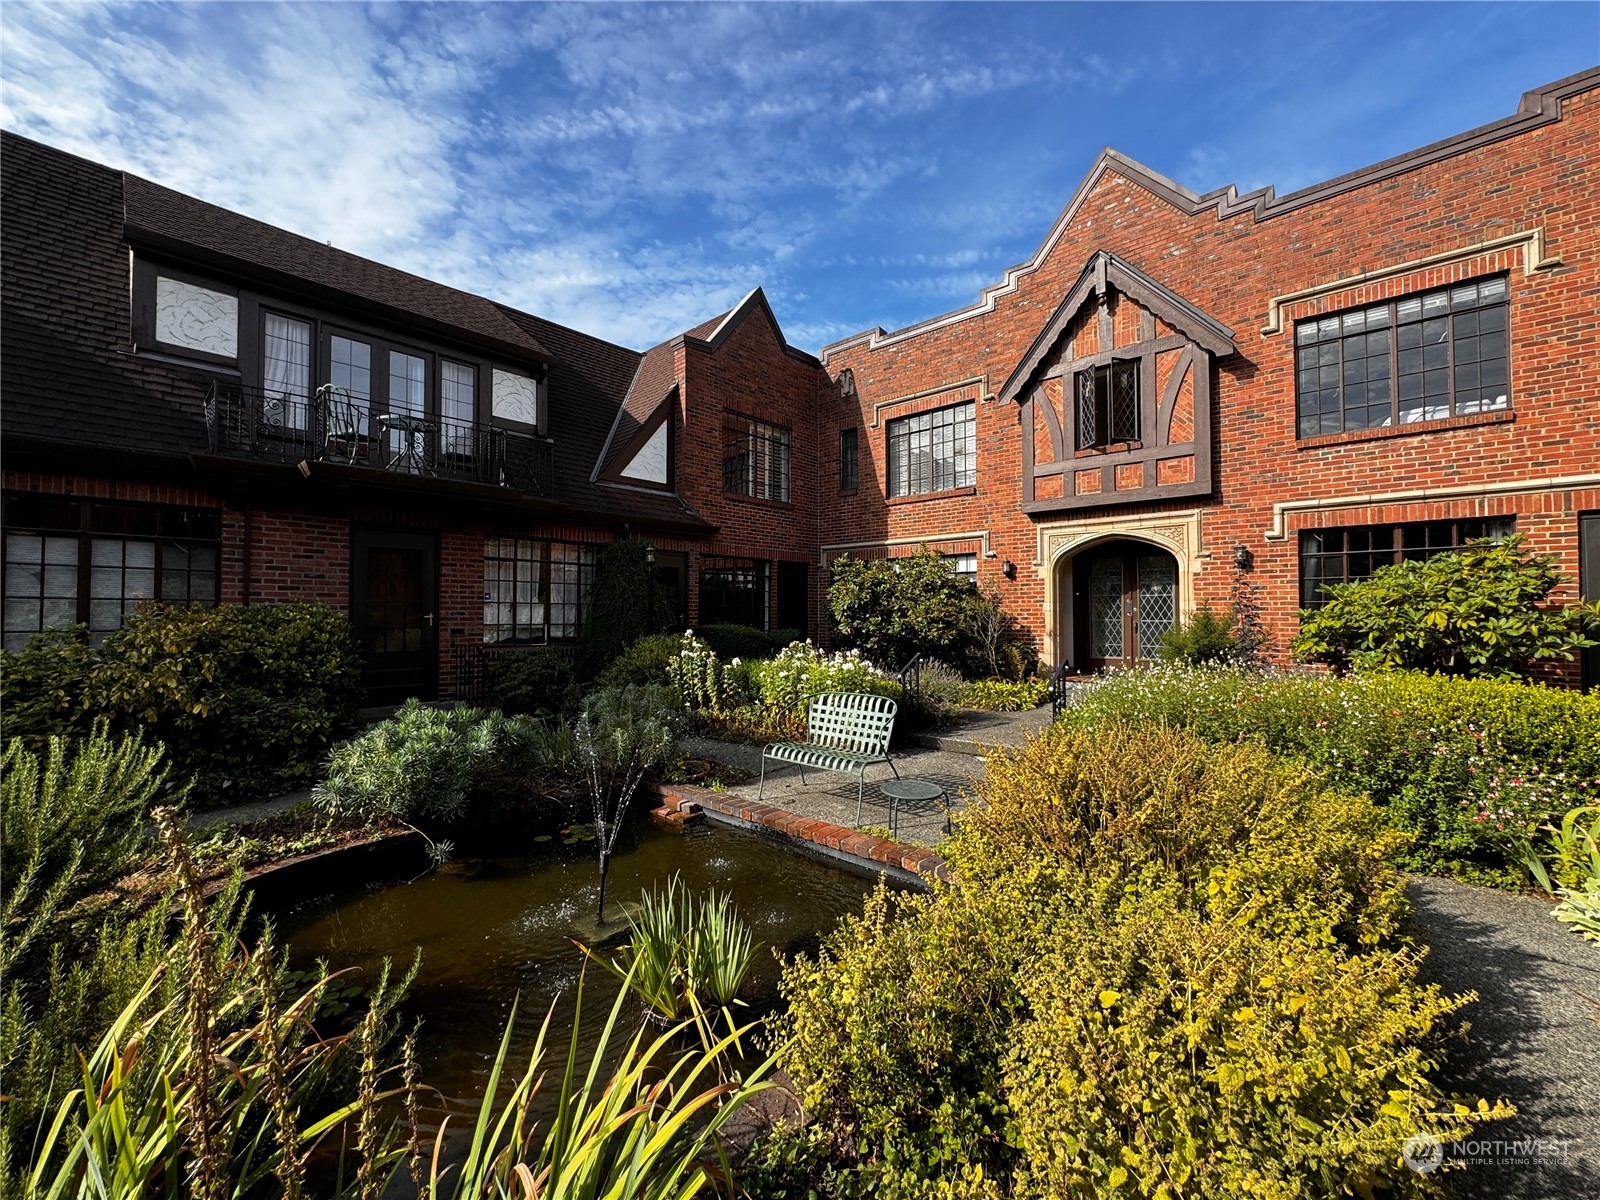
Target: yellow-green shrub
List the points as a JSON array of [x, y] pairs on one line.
[[1165, 969], [1465, 766]]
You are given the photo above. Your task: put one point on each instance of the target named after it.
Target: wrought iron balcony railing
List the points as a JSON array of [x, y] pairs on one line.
[[332, 426]]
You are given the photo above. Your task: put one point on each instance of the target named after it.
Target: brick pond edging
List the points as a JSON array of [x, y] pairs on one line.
[[910, 863]]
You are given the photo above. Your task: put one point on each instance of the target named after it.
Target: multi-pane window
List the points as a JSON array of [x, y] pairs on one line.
[[286, 370], [350, 371], [534, 591], [963, 566], [755, 458], [1349, 553], [571, 577], [849, 459], [735, 592], [457, 405], [1421, 358], [1107, 404], [933, 451], [69, 561]]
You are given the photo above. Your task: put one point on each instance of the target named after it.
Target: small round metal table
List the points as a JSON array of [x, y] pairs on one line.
[[910, 791]]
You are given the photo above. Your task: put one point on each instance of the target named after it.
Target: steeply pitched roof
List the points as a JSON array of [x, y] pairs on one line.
[[162, 219], [1103, 269]]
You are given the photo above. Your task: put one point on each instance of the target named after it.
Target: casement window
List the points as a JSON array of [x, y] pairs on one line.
[[350, 371], [1107, 401], [1424, 357], [534, 591], [849, 460], [1349, 553], [70, 561], [933, 451], [736, 592], [286, 370], [755, 458]]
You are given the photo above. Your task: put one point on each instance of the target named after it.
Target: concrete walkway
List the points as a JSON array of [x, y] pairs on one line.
[[1534, 1038]]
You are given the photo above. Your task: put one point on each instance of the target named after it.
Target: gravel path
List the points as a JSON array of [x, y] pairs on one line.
[[1534, 1036]]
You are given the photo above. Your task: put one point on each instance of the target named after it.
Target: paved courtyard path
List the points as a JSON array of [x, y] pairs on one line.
[[1534, 1036]]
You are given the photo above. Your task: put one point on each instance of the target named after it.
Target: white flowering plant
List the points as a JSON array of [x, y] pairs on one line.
[[802, 670], [697, 674]]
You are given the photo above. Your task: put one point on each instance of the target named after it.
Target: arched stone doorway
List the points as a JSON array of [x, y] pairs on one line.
[[1124, 598], [1164, 547]]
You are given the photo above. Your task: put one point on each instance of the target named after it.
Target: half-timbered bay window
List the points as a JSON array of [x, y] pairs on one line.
[[1352, 552], [735, 592], [755, 458], [933, 451], [71, 561], [534, 591], [1108, 404], [1420, 358]]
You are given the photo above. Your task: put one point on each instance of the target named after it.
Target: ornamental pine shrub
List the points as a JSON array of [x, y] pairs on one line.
[[1165, 969], [1482, 611]]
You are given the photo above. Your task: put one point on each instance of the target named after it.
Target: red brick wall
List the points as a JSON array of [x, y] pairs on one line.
[[1230, 268], [750, 373]]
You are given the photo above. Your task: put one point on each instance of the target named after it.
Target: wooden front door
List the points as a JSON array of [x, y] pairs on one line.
[[394, 608], [1125, 596]]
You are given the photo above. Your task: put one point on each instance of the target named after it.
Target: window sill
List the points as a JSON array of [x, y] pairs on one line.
[[1498, 417], [948, 494], [741, 498]]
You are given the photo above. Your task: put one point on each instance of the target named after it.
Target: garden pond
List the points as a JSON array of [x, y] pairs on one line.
[[499, 927]]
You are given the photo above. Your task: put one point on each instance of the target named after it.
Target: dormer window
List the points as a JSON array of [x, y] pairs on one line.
[[1108, 404]]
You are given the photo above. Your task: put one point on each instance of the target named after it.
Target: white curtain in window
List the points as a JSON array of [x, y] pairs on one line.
[[286, 367]]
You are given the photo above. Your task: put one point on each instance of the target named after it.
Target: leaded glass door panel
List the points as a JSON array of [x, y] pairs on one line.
[[1125, 597]]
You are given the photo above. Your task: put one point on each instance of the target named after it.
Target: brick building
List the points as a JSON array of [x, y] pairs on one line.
[[1178, 388], [1174, 390]]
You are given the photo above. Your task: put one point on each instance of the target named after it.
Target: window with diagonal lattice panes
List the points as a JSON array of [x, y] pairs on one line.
[[1107, 400]]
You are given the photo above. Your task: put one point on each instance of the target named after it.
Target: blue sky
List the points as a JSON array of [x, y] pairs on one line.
[[633, 170]]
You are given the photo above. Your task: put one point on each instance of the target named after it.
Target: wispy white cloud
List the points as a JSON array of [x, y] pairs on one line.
[[633, 169]]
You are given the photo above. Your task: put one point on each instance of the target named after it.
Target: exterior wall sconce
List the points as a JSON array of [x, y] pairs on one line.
[[1008, 569], [1242, 558], [847, 384]]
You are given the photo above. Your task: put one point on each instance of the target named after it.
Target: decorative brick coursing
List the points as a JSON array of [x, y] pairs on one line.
[[868, 849]]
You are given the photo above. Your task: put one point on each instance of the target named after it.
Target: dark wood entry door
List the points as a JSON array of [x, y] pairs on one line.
[[1124, 597], [394, 582], [793, 596]]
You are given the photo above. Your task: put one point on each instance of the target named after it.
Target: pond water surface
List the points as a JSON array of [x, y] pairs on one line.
[[493, 928]]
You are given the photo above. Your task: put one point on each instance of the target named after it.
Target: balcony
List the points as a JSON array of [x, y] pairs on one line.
[[333, 427]]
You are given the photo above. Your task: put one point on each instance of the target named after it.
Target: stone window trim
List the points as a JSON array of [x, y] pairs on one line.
[[925, 497], [1503, 416], [918, 436], [1353, 367]]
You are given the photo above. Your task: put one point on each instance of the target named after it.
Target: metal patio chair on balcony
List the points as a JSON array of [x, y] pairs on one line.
[[344, 425]]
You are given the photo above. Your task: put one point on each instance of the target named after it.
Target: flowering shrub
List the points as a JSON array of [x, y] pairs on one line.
[[801, 670], [1466, 765], [697, 674]]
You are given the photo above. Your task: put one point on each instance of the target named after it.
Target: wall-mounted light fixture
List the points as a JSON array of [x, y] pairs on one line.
[[1242, 558], [1008, 569]]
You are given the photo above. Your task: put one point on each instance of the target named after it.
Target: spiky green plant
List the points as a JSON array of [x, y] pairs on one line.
[[651, 1130]]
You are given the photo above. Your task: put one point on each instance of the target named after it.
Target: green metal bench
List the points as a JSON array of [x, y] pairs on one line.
[[846, 732]]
